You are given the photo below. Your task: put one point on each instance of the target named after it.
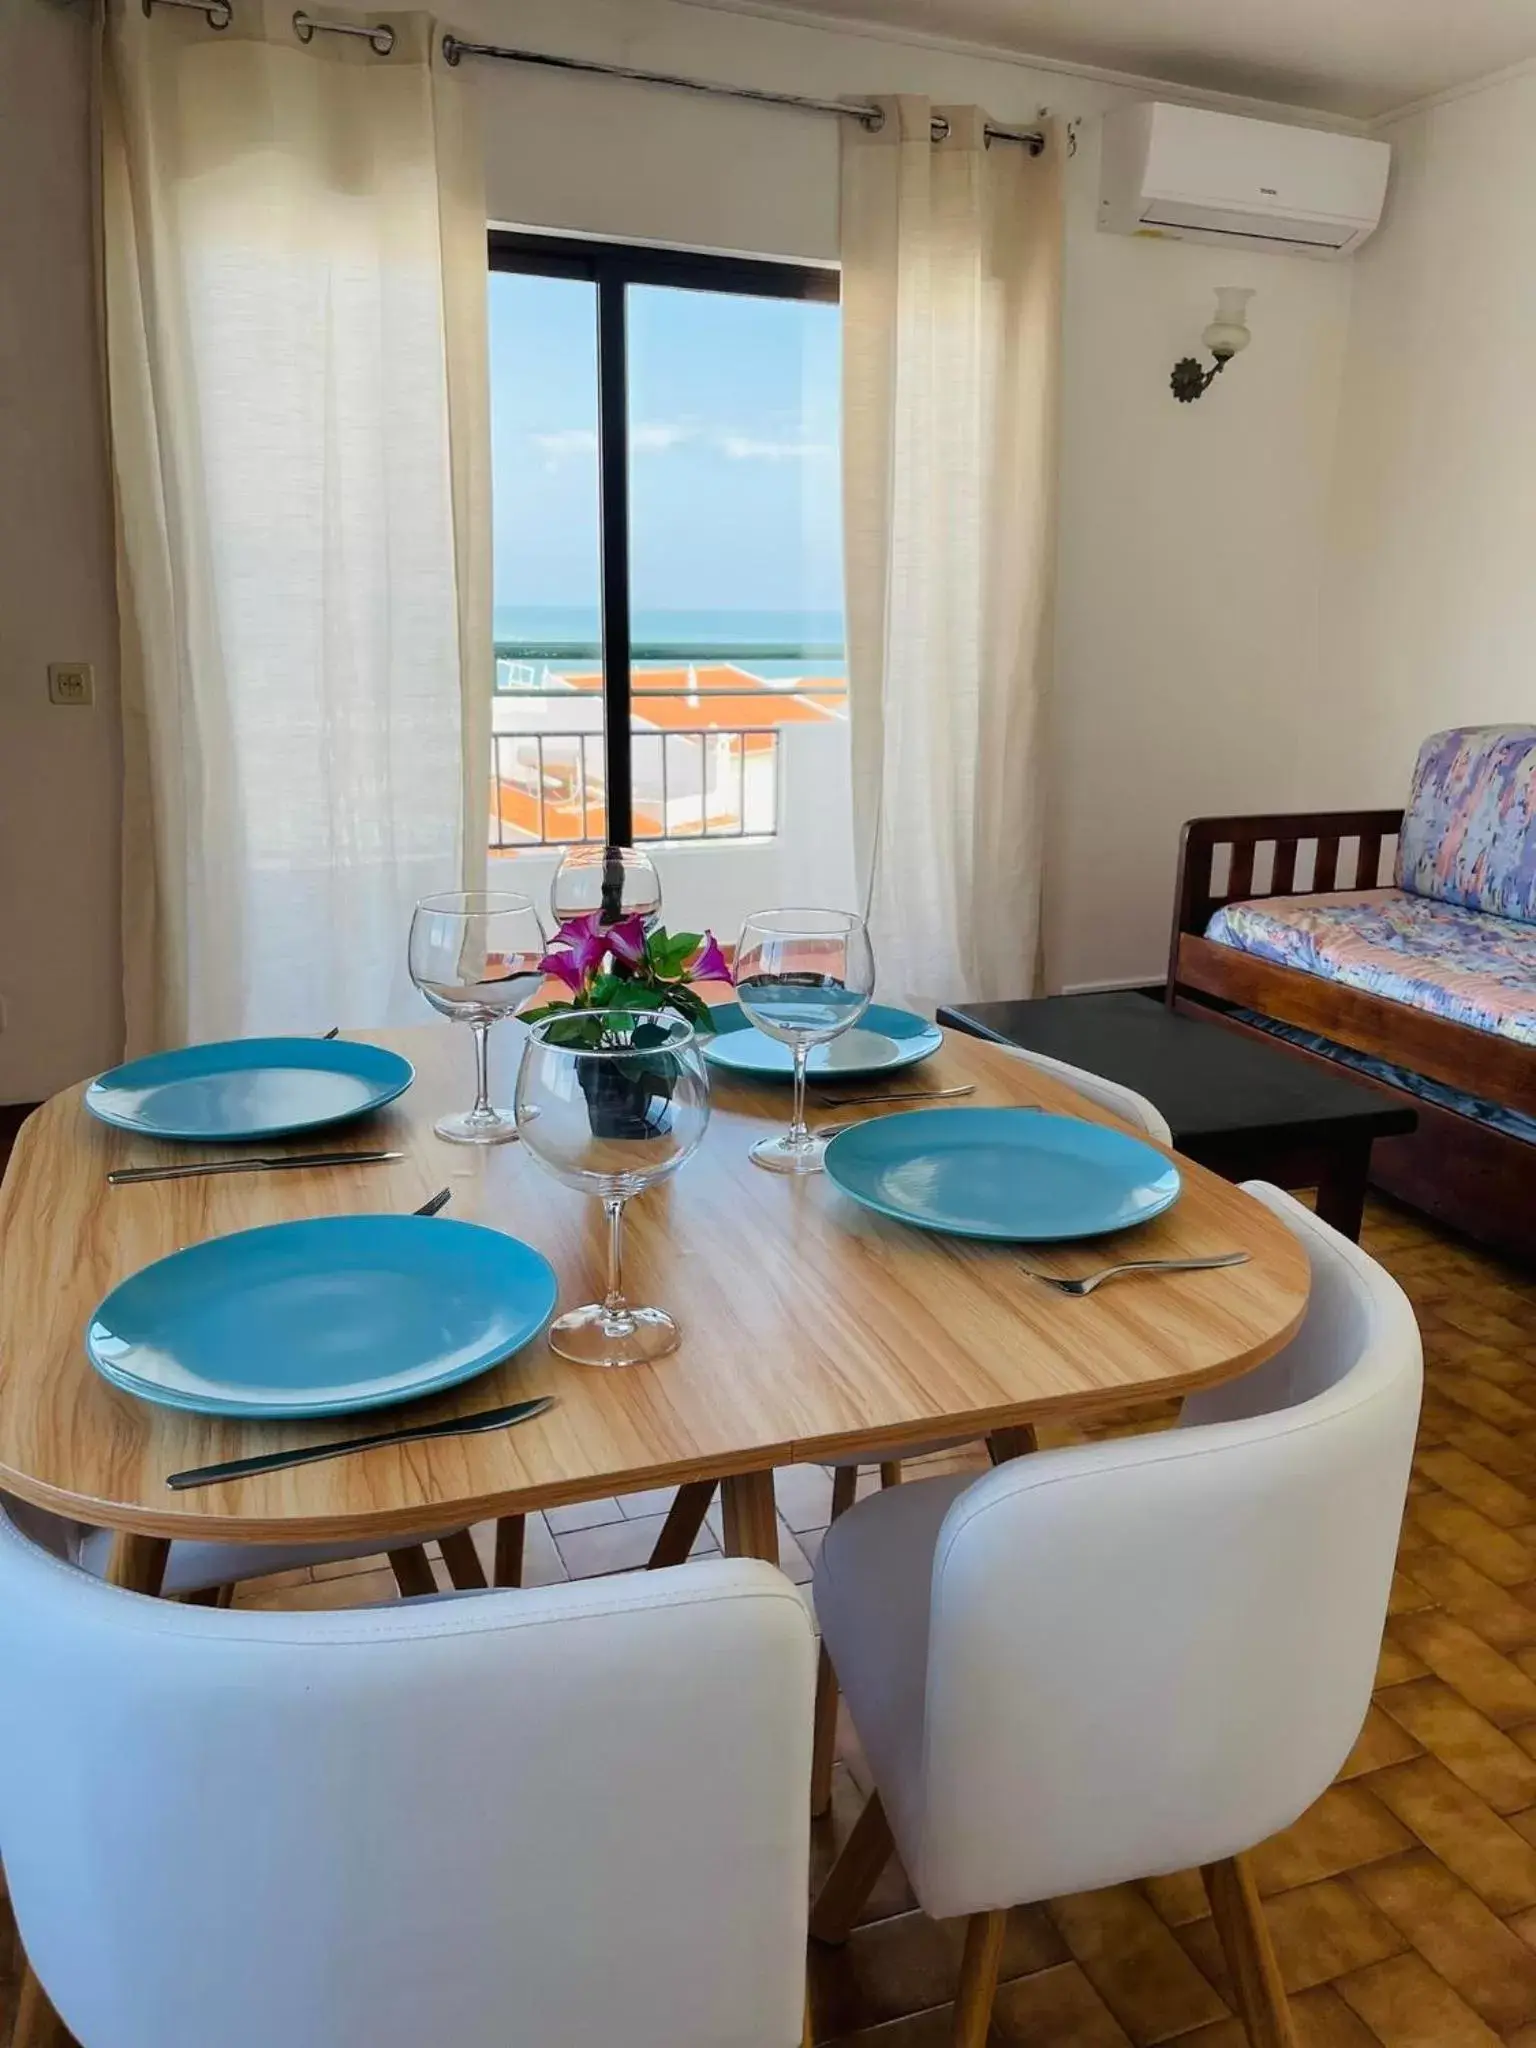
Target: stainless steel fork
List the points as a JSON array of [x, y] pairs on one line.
[[1090, 1281]]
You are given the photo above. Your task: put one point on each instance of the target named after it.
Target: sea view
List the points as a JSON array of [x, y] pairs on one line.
[[770, 644]]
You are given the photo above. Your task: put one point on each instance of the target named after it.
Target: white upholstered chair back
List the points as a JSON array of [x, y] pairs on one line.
[[1120, 1101], [540, 1819], [1152, 1653]]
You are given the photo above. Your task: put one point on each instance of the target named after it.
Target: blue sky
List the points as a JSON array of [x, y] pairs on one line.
[[734, 500]]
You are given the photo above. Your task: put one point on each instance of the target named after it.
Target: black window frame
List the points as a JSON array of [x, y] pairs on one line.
[[612, 267]]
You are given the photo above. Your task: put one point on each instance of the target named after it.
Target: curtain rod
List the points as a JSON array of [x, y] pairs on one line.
[[381, 38], [456, 48]]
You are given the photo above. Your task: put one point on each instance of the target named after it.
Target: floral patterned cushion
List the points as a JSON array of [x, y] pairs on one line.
[[1469, 834], [1455, 963]]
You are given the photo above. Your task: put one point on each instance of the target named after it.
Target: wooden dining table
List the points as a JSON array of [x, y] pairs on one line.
[[812, 1329]]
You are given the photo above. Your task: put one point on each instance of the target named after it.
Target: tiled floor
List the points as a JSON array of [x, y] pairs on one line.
[[1403, 1904]]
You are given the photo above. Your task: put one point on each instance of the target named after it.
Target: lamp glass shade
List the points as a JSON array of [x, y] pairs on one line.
[[1228, 333]]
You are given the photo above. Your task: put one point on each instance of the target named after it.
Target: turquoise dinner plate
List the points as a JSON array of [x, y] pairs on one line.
[[248, 1088], [321, 1317], [883, 1040], [1002, 1173]]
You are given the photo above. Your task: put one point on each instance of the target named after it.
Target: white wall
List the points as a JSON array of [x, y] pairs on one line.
[[1190, 673], [59, 769], [1431, 607]]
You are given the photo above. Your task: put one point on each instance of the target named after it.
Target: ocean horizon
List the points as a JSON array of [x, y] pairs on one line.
[[770, 643]]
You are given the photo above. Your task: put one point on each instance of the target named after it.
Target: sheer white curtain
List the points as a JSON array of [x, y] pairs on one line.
[[295, 263], [951, 254]]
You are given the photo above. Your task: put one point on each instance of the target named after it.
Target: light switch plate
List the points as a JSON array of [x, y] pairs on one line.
[[71, 682]]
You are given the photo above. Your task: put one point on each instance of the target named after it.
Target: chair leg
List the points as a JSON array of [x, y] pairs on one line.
[[845, 1487], [463, 1561], [510, 1533], [824, 1748], [852, 1877], [978, 1978], [413, 1571], [1262, 2005], [1017, 1441], [37, 2024], [680, 1531]]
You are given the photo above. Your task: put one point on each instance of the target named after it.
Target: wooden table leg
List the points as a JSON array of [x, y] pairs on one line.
[[138, 1563], [37, 2024], [1341, 1191], [751, 1519], [463, 1561], [413, 1571], [511, 1532], [1018, 1440], [685, 1518]]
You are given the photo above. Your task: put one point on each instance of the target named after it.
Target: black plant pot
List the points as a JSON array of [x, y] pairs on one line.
[[628, 1098]]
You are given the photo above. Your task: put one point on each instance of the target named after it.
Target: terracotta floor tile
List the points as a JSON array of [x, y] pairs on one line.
[[620, 1546], [1178, 1899], [1347, 1826], [584, 1514], [1471, 1840], [1406, 2005], [1135, 1964], [1483, 1677], [1321, 1931], [892, 1967], [1495, 1767], [1381, 1741], [804, 1496], [1499, 1614], [1494, 1552], [1396, 1664], [1464, 1478], [1057, 2007], [1509, 1456], [1456, 1934]]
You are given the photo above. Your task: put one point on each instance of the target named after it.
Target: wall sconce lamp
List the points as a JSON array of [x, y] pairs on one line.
[[1226, 337]]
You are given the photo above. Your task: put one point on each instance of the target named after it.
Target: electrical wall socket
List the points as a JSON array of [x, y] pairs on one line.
[[71, 682]]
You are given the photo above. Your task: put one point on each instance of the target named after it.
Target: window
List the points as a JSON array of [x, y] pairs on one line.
[[668, 579]]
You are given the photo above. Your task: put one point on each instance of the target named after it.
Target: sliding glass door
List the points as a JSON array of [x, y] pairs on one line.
[[668, 572]]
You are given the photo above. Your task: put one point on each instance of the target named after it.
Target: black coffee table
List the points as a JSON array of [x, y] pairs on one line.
[[1246, 1108]]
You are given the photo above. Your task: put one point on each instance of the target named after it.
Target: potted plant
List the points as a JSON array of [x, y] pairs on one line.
[[623, 968]]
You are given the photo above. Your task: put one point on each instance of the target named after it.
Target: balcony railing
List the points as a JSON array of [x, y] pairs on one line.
[[548, 786], [710, 772]]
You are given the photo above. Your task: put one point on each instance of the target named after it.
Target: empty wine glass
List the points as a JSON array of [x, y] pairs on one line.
[[614, 881], [803, 977], [475, 956], [610, 1102]]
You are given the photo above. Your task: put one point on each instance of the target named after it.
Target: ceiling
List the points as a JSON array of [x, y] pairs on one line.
[[1360, 58]]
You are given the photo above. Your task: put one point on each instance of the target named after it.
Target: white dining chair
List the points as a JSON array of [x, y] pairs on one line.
[[1131, 1657], [209, 1572], [690, 1506], [551, 1819]]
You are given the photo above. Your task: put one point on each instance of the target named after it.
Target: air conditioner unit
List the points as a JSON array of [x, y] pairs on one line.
[[1195, 176]]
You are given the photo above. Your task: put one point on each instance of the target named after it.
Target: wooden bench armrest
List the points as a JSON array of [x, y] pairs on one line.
[[1197, 897]]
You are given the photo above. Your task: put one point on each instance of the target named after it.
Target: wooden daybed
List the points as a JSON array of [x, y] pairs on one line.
[[1463, 1172]]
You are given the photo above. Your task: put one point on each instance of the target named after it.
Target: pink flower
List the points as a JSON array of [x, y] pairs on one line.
[[566, 968], [709, 963], [626, 941], [586, 944]]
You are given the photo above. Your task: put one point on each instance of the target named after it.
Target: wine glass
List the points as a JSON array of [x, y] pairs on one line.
[[610, 1102], [803, 977], [614, 881], [475, 956]]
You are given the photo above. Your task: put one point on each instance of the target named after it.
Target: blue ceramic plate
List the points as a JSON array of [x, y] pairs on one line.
[[882, 1040], [321, 1317], [1003, 1173], [248, 1088]]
